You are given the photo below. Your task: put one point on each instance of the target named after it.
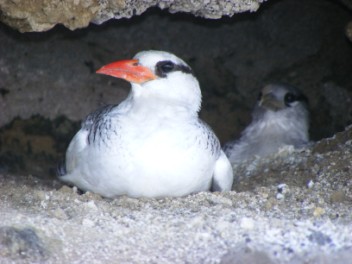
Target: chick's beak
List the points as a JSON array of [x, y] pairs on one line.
[[129, 70], [269, 101]]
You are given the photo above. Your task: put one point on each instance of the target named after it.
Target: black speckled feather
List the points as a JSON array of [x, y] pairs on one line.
[[212, 141], [97, 123]]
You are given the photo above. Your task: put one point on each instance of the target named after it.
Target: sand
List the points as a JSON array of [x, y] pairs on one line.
[[293, 207]]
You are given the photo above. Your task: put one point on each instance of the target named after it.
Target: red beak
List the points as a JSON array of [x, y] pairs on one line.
[[129, 70]]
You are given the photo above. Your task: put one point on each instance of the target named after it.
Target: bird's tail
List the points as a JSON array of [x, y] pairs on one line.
[[61, 168]]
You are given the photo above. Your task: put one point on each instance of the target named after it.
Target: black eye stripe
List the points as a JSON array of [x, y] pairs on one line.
[[184, 68], [166, 66], [290, 98], [162, 68]]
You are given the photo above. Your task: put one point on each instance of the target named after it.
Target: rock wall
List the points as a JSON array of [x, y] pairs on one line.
[[43, 15]]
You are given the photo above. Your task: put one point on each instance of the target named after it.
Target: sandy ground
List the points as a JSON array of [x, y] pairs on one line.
[[294, 207]]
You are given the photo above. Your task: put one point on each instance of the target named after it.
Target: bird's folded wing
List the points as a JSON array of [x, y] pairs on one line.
[[223, 174]]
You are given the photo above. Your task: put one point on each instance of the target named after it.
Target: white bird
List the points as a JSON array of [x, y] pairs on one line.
[[280, 118], [152, 144]]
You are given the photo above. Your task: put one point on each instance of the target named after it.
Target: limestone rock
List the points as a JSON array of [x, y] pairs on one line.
[[45, 14], [42, 15], [21, 244]]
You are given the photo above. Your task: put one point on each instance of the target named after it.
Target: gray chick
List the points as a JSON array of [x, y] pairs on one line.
[[279, 118]]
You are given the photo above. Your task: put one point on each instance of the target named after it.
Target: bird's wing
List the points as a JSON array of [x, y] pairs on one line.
[[89, 128], [211, 141], [93, 120], [73, 153], [223, 174]]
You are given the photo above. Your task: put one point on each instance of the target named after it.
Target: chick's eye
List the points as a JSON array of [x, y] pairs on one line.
[[260, 96], [166, 66], [290, 98]]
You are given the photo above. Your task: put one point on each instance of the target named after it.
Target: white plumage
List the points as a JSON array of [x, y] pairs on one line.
[[280, 118], [152, 144]]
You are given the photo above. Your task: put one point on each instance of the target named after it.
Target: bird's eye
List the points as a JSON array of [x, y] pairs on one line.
[[166, 66], [290, 98], [162, 68], [260, 96]]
